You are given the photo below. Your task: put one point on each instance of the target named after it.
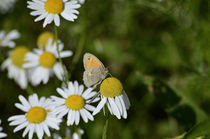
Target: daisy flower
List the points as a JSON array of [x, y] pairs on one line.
[[44, 38], [113, 95], [75, 102], [2, 135], [38, 116], [69, 135], [6, 5], [49, 10], [43, 63], [7, 40], [14, 65]]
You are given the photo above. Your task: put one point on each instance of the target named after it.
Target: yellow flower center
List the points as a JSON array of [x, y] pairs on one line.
[[54, 6], [75, 102], [47, 59], [43, 39], [36, 115], [111, 87], [18, 55]]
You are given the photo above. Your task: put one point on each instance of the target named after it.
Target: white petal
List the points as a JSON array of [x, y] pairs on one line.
[[16, 117], [76, 87], [81, 88], [73, 117], [42, 16], [87, 113], [75, 136], [69, 117], [87, 91], [21, 126], [39, 131], [49, 18], [24, 101], [100, 106], [14, 34], [58, 70], [21, 107], [17, 122], [123, 106], [57, 20], [61, 92], [117, 102], [71, 87], [52, 124], [114, 107], [46, 129], [126, 100], [89, 107], [31, 131], [26, 130], [77, 117], [83, 114], [64, 54]]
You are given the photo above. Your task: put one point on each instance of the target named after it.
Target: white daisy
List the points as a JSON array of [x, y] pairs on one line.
[[49, 10], [7, 40], [38, 117], [69, 135], [43, 39], [75, 102], [6, 5], [44, 63], [113, 95], [2, 134], [14, 65]]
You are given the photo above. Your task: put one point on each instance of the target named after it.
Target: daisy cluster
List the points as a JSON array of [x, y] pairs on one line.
[[35, 66], [73, 102]]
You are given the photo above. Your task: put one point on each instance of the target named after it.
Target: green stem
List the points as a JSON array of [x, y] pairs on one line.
[[29, 90], [78, 132], [66, 78], [106, 128]]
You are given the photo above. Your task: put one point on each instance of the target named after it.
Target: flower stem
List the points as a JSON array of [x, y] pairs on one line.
[[106, 128], [66, 78], [29, 90], [78, 132]]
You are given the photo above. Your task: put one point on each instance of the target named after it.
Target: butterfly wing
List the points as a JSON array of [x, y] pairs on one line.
[[94, 75], [91, 61]]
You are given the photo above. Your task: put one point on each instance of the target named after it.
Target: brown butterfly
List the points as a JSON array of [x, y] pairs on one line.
[[94, 72]]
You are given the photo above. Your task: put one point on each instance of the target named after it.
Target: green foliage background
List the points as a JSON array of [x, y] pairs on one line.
[[159, 49]]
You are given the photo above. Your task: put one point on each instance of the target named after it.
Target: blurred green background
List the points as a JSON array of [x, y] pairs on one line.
[[159, 49]]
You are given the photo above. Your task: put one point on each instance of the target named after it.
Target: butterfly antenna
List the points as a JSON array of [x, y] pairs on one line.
[[110, 74], [109, 66]]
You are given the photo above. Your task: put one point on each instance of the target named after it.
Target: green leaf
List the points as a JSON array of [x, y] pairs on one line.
[[185, 115], [200, 130], [184, 110], [178, 137], [165, 95]]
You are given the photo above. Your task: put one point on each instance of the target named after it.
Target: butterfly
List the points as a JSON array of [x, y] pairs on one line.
[[94, 72]]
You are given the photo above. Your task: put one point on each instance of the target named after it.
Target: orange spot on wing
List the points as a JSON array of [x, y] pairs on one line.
[[92, 63]]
